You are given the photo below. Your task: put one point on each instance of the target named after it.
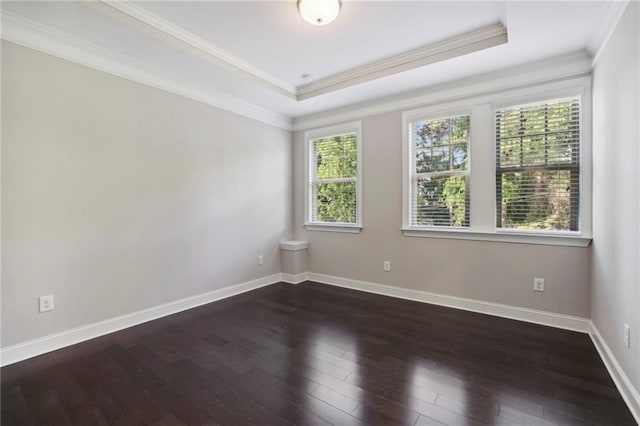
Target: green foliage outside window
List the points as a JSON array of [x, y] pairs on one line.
[[334, 192]]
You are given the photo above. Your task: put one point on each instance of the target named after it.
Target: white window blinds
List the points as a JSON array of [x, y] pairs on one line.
[[333, 179], [538, 166], [439, 172]]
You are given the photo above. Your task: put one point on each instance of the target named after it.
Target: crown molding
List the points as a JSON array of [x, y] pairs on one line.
[[28, 33], [191, 43], [145, 21], [600, 37], [550, 70], [459, 45]]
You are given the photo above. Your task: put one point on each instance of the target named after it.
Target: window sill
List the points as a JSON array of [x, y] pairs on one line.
[[350, 229], [505, 237]]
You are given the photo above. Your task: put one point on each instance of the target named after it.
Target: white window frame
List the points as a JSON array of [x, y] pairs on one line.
[[482, 163], [412, 176], [325, 132]]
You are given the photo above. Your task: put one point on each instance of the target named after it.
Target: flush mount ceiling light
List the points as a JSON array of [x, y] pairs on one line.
[[319, 12]]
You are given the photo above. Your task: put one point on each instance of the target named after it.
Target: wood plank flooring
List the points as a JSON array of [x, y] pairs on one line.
[[313, 354]]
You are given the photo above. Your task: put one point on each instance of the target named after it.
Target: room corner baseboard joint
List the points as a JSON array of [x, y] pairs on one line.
[[294, 278]]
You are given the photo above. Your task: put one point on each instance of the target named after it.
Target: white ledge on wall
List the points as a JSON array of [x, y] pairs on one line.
[[505, 237], [351, 229], [294, 245]]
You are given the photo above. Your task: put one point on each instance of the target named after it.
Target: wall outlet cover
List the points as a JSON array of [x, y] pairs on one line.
[[46, 303], [538, 284]]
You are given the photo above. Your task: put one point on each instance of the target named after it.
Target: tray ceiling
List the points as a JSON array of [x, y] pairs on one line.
[[255, 53]]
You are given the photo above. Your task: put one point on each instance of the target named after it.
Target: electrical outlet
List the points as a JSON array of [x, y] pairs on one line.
[[260, 260], [46, 303], [627, 336], [387, 265], [538, 284]]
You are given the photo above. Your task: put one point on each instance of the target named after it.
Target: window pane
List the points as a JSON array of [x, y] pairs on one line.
[[441, 145], [335, 202], [441, 201], [336, 156], [539, 200], [538, 166], [459, 156]]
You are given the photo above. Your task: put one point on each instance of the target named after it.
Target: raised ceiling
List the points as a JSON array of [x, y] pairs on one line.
[[255, 53]]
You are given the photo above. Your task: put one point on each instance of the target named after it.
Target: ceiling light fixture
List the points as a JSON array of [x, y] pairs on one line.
[[319, 12]]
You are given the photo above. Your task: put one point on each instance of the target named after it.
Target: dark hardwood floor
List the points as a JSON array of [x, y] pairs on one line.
[[317, 355]]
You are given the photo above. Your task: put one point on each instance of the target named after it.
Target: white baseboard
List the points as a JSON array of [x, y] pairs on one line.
[[42, 345], [506, 311], [625, 387], [35, 347], [39, 346], [294, 279]]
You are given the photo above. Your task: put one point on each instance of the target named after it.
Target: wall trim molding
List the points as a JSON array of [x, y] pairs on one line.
[[202, 47], [33, 35], [608, 24], [462, 44], [551, 319], [548, 71], [294, 278], [629, 393], [31, 348], [144, 20]]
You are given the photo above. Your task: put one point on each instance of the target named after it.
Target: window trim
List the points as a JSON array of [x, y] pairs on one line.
[[409, 180], [485, 229], [504, 237], [324, 132]]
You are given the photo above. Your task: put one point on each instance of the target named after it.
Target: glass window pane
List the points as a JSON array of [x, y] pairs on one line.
[[538, 200], [335, 202], [441, 145], [336, 156], [459, 156], [441, 201]]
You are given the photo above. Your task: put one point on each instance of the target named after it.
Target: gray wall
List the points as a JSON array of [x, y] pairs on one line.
[[118, 197], [490, 271], [616, 182]]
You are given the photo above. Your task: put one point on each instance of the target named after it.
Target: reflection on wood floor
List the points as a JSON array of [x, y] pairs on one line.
[[314, 354]]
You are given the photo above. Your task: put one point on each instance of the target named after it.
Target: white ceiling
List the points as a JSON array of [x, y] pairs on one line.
[[272, 40]]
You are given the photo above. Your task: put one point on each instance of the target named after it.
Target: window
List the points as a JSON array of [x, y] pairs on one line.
[[334, 178], [538, 166], [512, 165], [439, 172]]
